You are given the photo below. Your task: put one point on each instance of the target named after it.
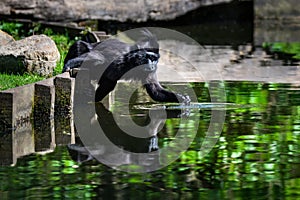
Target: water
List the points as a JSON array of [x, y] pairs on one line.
[[255, 157]]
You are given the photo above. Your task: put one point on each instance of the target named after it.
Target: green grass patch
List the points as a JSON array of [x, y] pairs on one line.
[[12, 80], [285, 50], [19, 31], [14, 29], [63, 43]]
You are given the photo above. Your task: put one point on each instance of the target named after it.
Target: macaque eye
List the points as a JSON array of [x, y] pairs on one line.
[[152, 56]]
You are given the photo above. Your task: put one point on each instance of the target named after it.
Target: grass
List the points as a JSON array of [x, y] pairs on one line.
[[14, 29], [63, 44], [10, 81], [287, 50], [18, 31]]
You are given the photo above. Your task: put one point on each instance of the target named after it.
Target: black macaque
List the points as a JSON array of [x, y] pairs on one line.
[[143, 55]]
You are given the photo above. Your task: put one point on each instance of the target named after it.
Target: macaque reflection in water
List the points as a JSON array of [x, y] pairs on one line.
[[128, 149]]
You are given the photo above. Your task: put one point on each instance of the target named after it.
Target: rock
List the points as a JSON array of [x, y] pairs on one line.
[[119, 10], [276, 21], [5, 38], [34, 54]]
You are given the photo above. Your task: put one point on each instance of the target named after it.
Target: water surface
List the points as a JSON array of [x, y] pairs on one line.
[[256, 156]]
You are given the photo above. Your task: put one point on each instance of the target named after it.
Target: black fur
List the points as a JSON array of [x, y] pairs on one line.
[[78, 50], [141, 57]]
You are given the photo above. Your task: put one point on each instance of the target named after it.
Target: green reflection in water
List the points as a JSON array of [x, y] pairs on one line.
[[257, 156]]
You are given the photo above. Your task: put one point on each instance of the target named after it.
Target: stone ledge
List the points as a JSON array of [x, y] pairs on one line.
[[36, 101], [75, 10], [28, 121]]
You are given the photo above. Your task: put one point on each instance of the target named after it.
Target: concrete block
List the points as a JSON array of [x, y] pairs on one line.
[[64, 95], [22, 141], [16, 143], [44, 136], [6, 149], [64, 91], [44, 98], [6, 111], [16, 106]]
